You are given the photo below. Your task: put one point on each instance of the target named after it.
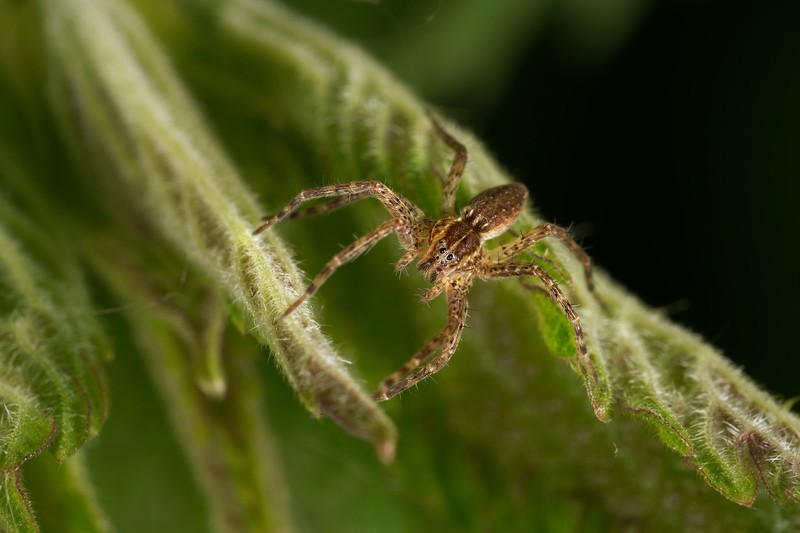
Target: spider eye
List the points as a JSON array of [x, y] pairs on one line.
[[449, 257], [442, 250]]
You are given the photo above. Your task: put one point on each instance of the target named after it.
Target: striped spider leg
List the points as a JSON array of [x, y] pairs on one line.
[[407, 221], [451, 254]]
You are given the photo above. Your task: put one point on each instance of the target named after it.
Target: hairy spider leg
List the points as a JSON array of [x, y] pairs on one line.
[[432, 293], [347, 254], [406, 221], [448, 339], [511, 249], [450, 184], [398, 207], [508, 270], [325, 207], [560, 271]]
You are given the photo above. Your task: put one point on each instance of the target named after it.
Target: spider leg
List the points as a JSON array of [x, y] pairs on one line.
[[399, 207], [347, 254], [325, 207], [447, 340], [509, 250], [508, 270], [432, 293], [531, 287], [404, 261], [450, 184], [561, 272]]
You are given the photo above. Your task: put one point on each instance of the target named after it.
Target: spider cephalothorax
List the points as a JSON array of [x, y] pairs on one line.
[[451, 253], [453, 247]]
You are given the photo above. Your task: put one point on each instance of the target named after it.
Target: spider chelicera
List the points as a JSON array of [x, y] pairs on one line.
[[451, 254]]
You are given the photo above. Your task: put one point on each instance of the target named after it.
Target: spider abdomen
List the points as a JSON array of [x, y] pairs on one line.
[[494, 210]]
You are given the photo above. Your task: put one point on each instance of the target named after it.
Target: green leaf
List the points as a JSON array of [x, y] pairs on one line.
[[172, 116], [700, 406], [109, 77], [52, 384]]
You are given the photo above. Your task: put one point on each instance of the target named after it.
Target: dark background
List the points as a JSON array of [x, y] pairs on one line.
[[678, 162]]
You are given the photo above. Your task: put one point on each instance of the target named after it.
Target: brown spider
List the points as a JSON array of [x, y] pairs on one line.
[[451, 253]]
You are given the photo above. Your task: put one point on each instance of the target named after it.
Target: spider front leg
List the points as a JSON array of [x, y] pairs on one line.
[[398, 207], [508, 270], [325, 207], [517, 246], [448, 339], [407, 218], [347, 254]]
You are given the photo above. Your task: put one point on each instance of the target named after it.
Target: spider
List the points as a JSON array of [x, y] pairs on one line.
[[451, 253]]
